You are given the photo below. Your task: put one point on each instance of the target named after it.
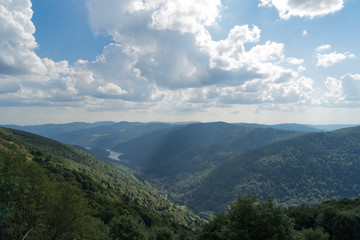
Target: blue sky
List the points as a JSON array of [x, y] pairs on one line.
[[264, 61]]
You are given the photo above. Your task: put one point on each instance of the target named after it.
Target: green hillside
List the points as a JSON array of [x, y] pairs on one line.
[[38, 175], [177, 158], [179, 152], [310, 168]]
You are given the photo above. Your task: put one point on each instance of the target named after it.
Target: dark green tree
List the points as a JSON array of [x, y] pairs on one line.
[[127, 228], [250, 219], [342, 225], [163, 233], [315, 234]]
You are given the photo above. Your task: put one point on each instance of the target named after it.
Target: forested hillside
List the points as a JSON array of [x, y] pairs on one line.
[[52, 191], [55, 191], [307, 169], [183, 152]]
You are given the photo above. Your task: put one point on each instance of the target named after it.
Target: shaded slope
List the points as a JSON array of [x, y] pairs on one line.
[[194, 147]]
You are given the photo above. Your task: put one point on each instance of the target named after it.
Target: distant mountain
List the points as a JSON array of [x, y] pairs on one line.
[[111, 192], [49, 130], [333, 127], [107, 136], [176, 154], [296, 127], [308, 168], [286, 126]]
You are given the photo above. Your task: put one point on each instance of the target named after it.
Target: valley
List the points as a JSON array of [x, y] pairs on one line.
[[202, 167]]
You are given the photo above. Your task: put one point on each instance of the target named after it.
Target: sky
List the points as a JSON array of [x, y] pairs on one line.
[[256, 61]]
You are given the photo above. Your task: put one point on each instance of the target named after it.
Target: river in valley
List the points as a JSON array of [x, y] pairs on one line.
[[114, 155]]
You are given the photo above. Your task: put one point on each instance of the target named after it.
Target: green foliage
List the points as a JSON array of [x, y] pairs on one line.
[[340, 219], [127, 228], [63, 193], [36, 206], [304, 216], [342, 225], [309, 168], [315, 234], [251, 219], [161, 233]]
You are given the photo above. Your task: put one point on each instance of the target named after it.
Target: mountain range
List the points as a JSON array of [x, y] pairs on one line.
[[204, 166]]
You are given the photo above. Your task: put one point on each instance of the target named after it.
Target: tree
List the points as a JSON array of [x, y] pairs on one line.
[[315, 234], [127, 228], [34, 205], [250, 219]]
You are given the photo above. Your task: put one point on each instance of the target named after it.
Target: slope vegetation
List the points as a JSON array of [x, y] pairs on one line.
[[108, 198], [179, 152], [310, 168]]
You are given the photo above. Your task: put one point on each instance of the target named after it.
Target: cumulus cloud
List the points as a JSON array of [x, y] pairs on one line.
[[162, 56], [295, 61], [17, 41], [111, 89], [334, 92], [323, 47], [303, 8], [343, 91], [351, 86], [168, 45], [330, 59], [184, 15]]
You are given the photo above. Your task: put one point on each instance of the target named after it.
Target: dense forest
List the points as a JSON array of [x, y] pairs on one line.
[[306, 169], [251, 219], [52, 191], [49, 190]]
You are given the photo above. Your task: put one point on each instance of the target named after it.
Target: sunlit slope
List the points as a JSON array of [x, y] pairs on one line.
[[309, 169], [107, 189]]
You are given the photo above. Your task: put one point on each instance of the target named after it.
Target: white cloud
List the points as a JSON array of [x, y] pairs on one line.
[[323, 47], [230, 53], [186, 16], [344, 91], [295, 61], [168, 45], [111, 89], [25, 78], [304, 33], [334, 93], [163, 57], [301, 68], [351, 86], [327, 60], [303, 8], [17, 41]]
